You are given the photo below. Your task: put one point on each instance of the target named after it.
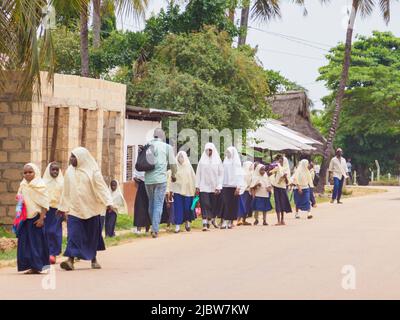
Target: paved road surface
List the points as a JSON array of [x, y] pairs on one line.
[[301, 261]]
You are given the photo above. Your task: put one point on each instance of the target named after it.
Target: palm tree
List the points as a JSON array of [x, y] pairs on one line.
[[365, 8], [123, 7], [96, 23], [21, 25], [263, 10], [84, 14]]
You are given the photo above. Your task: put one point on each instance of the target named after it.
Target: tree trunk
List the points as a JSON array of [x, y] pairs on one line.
[[339, 99], [84, 42], [96, 23], [244, 23]]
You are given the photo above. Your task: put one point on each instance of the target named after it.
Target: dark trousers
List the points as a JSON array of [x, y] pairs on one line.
[[110, 221], [337, 188]]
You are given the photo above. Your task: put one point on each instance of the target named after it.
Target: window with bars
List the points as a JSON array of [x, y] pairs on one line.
[[130, 162]]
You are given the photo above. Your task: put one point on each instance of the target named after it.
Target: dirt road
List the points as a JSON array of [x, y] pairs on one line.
[[303, 260]]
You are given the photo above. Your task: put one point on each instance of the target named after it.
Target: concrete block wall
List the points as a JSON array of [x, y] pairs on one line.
[[15, 151], [25, 136]]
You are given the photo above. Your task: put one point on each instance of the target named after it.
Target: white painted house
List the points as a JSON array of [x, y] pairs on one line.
[[139, 127]]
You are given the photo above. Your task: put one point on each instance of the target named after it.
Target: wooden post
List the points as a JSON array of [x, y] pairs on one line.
[[84, 125], [55, 134]]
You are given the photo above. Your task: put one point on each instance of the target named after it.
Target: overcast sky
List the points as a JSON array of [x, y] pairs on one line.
[[299, 61]]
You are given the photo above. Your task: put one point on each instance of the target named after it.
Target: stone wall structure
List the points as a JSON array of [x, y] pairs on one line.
[[78, 112]]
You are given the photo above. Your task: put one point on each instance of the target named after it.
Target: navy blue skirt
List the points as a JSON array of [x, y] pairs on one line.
[[84, 238], [102, 221], [53, 229], [182, 209], [230, 209], [262, 204], [245, 205], [110, 222], [32, 249], [282, 203], [302, 201]]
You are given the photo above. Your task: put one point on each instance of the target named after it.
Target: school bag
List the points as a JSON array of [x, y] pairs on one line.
[[20, 215], [146, 158]]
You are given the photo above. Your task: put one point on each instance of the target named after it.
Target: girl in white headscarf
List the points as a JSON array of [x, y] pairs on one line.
[[209, 179], [184, 189], [84, 198], [54, 181], [119, 206], [245, 205], [261, 188], [232, 184], [279, 176], [32, 250], [303, 182]]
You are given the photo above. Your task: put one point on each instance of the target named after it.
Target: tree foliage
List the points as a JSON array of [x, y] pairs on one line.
[[117, 50], [369, 127], [217, 86], [197, 14]]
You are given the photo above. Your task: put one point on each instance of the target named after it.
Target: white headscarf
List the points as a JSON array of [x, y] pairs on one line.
[[119, 203], [54, 185], [215, 159], [302, 175], [233, 172], [209, 174], [85, 193], [258, 178], [34, 193], [185, 183]]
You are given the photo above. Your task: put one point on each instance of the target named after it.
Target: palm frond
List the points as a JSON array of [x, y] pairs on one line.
[[136, 8], [266, 10]]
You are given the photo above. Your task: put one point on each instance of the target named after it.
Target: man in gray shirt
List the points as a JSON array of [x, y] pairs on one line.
[[156, 179]]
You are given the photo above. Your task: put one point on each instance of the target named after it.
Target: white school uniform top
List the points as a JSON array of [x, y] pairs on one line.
[[262, 191], [338, 167], [277, 179]]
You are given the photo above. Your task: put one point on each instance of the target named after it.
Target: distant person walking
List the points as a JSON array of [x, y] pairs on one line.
[[350, 169], [337, 175], [156, 180]]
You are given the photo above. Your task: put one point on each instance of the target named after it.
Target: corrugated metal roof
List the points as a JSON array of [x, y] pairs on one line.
[[152, 111], [290, 133], [272, 135]]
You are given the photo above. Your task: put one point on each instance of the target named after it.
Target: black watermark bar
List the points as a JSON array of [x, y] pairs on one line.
[[213, 309]]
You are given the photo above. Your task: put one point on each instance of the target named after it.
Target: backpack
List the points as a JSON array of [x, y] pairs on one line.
[[146, 159]]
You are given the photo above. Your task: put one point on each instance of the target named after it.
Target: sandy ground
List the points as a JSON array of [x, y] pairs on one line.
[[303, 260]]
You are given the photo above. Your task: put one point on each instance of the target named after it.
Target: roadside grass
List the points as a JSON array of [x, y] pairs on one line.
[[125, 223], [6, 233]]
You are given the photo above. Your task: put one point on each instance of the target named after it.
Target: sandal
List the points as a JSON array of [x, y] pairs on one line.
[[67, 265], [95, 265]]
